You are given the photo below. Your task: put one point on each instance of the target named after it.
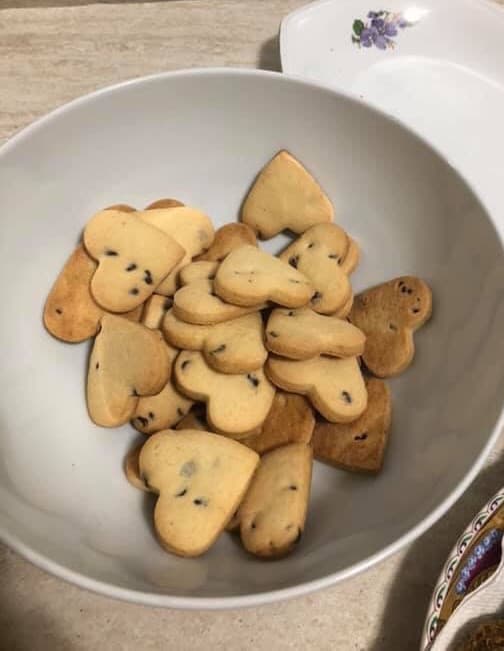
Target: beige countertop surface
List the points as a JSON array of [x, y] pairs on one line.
[[52, 51]]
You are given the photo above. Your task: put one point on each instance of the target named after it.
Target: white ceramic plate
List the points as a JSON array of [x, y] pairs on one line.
[[202, 136], [442, 74]]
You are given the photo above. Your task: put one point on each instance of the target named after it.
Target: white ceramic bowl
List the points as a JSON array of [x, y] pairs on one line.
[[201, 136]]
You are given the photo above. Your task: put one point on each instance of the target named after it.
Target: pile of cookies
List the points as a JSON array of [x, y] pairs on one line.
[[240, 366]]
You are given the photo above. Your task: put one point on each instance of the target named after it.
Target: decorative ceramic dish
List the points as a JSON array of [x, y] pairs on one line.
[[436, 65], [472, 561]]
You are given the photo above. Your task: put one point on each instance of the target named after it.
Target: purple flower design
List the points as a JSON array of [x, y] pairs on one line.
[[368, 36], [379, 30], [472, 562], [479, 551], [484, 555], [465, 573]]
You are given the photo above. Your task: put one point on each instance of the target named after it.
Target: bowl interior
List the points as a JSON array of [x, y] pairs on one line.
[[201, 137]]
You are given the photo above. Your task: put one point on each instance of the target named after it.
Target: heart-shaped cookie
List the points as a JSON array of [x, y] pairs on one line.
[[249, 276], [318, 254], [133, 258], [234, 346], [285, 196], [389, 314], [127, 361], [301, 334], [273, 512], [236, 404], [335, 386], [200, 479]]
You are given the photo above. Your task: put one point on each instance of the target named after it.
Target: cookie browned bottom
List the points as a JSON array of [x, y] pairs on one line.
[[290, 420], [389, 314], [227, 238], [164, 203], [132, 469], [360, 445], [70, 313]]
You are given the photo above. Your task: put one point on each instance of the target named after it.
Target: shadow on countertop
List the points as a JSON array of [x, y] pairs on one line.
[[17, 631], [402, 622], [269, 55]]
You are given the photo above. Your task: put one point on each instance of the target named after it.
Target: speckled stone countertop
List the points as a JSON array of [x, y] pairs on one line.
[[50, 52]]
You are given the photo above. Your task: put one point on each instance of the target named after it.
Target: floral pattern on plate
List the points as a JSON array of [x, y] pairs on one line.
[[379, 29]]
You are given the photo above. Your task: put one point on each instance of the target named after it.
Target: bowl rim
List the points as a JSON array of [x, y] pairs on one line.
[[303, 588]]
